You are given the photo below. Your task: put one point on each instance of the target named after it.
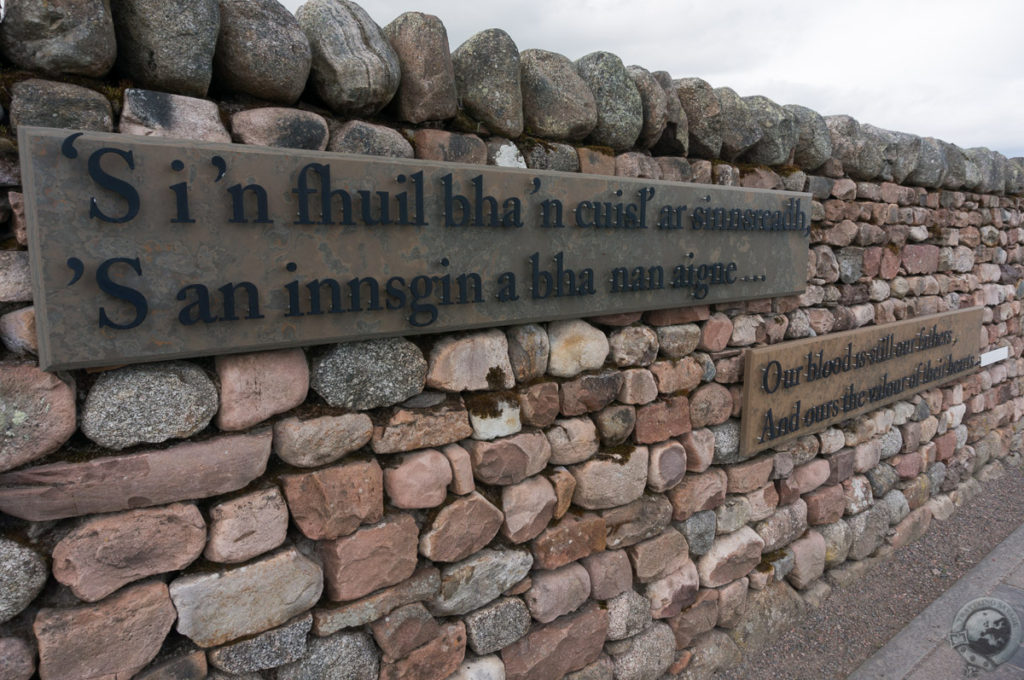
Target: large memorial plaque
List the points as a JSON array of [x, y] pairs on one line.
[[801, 387], [146, 249]]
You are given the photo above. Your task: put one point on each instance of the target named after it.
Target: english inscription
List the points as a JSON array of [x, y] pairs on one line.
[[799, 388], [145, 249]]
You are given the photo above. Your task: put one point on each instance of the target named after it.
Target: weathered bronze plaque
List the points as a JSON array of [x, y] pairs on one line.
[[145, 249], [801, 387]]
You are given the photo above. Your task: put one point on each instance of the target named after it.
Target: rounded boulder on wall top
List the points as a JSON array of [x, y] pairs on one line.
[[426, 91], [60, 36], [557, 103], [355, 70], [487, 79], [167, 46], [620, 113], [261, 51]]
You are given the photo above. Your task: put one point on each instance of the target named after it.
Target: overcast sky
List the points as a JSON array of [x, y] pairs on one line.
[[941, 68]]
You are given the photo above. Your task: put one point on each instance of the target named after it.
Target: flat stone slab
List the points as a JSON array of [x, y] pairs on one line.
[[217, 607], [186, 471]]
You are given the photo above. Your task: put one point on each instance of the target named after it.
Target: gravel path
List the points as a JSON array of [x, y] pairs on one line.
[[857, 620]]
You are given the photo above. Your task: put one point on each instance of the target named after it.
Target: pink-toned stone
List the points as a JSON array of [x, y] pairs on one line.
[[749, 475], [571, 538], [18, 331], [557, 592], [700, 449], [636, 164], [528, 507], [334, 501], [565, 486], [411, 429], [185, 471], [422, 585], [920, 258], [732, 602], [427, 89], [190, 666], [255, 386], [281, 127], [113, 639], [617, 320], [473, 362], [37, 414], [417, 480], [321, 441], [573, 440], [678, 315], [17, 659], [677, 375], [462, 469], [104, 553], [610, 574], [403, 630], [907, 465], [589, 392], [866, 456], [638, 386], [825, 504], [373, 557], [841, 465], [461, 528], [550, 651], [786, 524], [508, 460], [438, 145], [911, 528], [945, 446], [595, 161], [652, 557], [697, 492], [667, 465], [539, 404], [729, 371], [710, 404], [716, 333], [803, 479], [247, 526], [614, 478], [762, 502], [808, 559], [670, 593], [698, 618], [436, 660], [732, 556], [661, 420]]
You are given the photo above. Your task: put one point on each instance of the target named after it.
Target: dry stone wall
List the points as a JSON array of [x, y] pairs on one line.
[[542, 501]]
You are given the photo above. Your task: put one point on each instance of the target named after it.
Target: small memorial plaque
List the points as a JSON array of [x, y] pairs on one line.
[[801, 387], [145, 249]]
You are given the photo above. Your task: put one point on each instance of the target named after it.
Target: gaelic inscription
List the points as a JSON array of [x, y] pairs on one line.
[[146, 249]]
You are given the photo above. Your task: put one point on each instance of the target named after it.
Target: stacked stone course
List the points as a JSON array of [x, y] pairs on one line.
[[539, 501]]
